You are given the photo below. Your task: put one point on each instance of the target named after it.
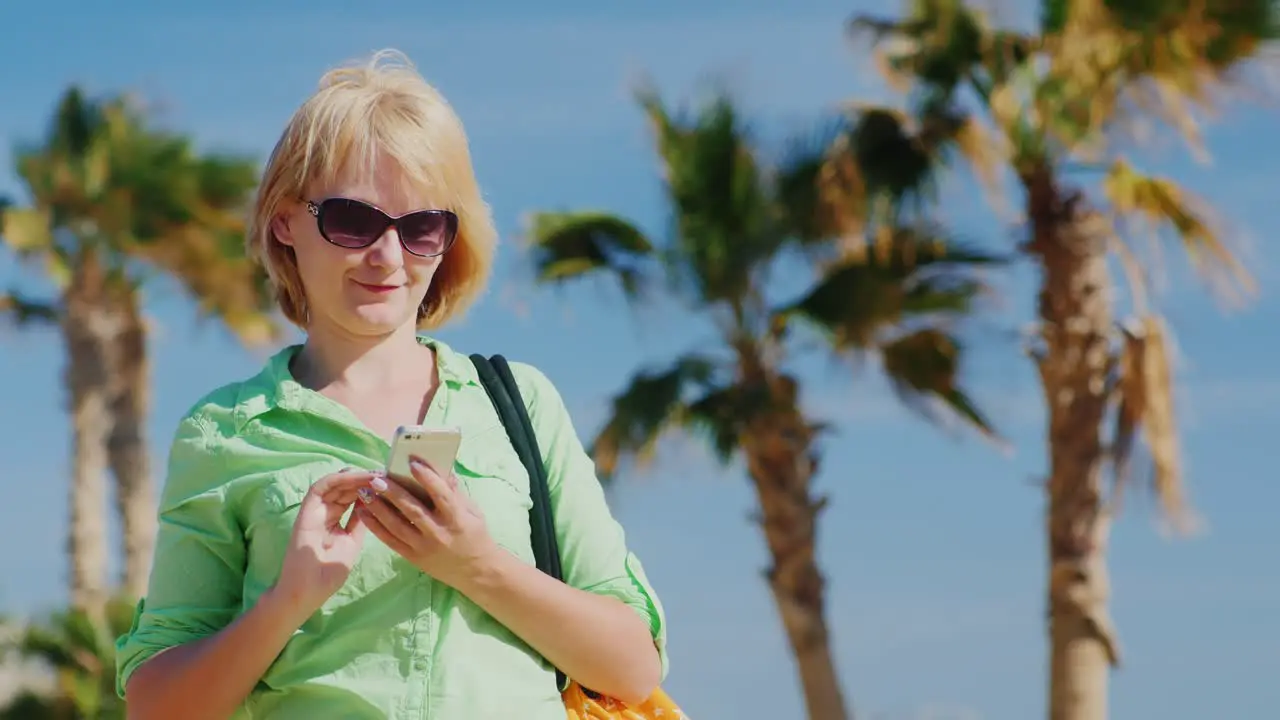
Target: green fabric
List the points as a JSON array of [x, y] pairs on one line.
[[392, 642]]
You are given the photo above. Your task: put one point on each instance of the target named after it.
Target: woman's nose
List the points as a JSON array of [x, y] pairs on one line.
[[386, 251]]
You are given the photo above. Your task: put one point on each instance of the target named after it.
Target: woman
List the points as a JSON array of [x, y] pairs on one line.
[[264, 601]]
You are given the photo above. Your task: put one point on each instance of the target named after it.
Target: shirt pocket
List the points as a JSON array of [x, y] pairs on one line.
[[489, 470]]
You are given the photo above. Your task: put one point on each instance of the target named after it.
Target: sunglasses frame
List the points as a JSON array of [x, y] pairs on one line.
[[317, 210]]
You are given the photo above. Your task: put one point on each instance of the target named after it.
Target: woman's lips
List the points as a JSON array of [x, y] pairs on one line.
[[379, 289]]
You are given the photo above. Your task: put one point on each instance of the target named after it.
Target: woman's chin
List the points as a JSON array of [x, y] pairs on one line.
[[382, 317]]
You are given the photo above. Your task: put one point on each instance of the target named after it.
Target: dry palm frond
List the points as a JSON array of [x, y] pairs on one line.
[[27, 231], [1146, 406], [1158, 202], [1123, 63], [988, 152], [893, 47], [843, 193], [1134, 273]]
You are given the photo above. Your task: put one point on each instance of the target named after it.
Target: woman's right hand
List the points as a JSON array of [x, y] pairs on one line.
[[322, 550]]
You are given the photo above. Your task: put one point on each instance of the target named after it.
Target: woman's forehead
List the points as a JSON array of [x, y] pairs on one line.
[[385, 185]]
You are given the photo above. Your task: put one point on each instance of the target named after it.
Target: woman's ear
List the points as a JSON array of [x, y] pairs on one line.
[[281, 231]]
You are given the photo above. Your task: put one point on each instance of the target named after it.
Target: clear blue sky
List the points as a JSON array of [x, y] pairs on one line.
[[932, 542]]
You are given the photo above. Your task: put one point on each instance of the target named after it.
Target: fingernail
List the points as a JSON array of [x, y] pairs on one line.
[[365, 496], [418, 464], [378, 484]]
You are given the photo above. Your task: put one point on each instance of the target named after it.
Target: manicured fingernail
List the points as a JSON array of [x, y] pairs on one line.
[[418, 464], [365, 496], [378, 484]]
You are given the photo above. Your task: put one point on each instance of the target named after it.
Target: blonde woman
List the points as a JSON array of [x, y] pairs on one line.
[[264, 601]]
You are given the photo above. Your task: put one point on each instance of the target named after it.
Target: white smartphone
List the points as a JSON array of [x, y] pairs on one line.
[[438, 447]]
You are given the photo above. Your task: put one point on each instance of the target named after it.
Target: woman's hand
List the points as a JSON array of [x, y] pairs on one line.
[[449, 542], [322, 550]]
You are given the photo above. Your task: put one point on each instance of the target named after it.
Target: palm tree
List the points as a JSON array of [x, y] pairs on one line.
[[1051, 103], [80, 650], [735, 220], [113, 203]]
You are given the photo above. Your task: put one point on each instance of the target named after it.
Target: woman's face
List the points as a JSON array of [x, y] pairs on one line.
[[368, 291]]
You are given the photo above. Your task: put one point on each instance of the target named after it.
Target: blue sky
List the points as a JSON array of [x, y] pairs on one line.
[[932, 541]]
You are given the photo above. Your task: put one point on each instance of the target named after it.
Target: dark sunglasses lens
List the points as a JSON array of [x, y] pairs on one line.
[[351, 224], [428, 232]]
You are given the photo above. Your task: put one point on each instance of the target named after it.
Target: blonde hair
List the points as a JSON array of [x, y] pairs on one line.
[[381, 105]]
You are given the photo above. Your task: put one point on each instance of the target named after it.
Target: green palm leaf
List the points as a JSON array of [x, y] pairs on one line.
[[22, 311], [82, 654], [653, 403], [819, 196], [724, 223], [924, 366], [856, 302], [568, 246]]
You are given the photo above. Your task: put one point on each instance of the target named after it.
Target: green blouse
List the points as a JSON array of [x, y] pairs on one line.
[[392, 642]]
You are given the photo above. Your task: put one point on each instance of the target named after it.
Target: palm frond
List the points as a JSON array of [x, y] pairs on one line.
[[82, 654], [654, 403], [818, 188], [721, 415], [851, 305], [1145, 391], [895, 160], [571, 245], [724, 223], [855, 302], [27, 231], [28, 705], [133, 192], [226, 285], [22, 311], [1160, 202], [923, 367], [940, 45], [1131, 60]]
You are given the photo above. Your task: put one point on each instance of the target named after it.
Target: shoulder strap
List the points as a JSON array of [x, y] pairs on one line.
[[495, 376]]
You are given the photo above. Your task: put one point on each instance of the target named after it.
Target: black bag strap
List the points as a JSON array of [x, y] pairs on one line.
[[495, 376]]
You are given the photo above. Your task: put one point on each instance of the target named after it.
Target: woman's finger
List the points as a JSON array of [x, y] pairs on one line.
[[410, 505], [390, 519], [442, 494], [377, 529], [341, 480], [356, 526], [341, 497]]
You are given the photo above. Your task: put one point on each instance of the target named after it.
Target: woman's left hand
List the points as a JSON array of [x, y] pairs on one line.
[[449, 542]]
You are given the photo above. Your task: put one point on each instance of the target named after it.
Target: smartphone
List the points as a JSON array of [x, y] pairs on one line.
[[438, 447]]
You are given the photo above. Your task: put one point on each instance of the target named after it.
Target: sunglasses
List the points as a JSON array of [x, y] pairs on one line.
[[353, 224]]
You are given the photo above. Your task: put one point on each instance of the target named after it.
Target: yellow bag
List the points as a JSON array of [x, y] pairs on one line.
[[579, 703], [582, 706]]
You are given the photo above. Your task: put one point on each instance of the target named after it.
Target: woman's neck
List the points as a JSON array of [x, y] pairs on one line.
[[332, 358]]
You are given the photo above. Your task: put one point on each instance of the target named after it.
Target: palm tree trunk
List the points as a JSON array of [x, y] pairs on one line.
[[781, 465], [1075, 366], [87, 331], [127, 447]]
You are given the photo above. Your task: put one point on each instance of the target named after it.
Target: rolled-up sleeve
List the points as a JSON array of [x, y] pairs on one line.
[[198, 569], [593, 548]]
